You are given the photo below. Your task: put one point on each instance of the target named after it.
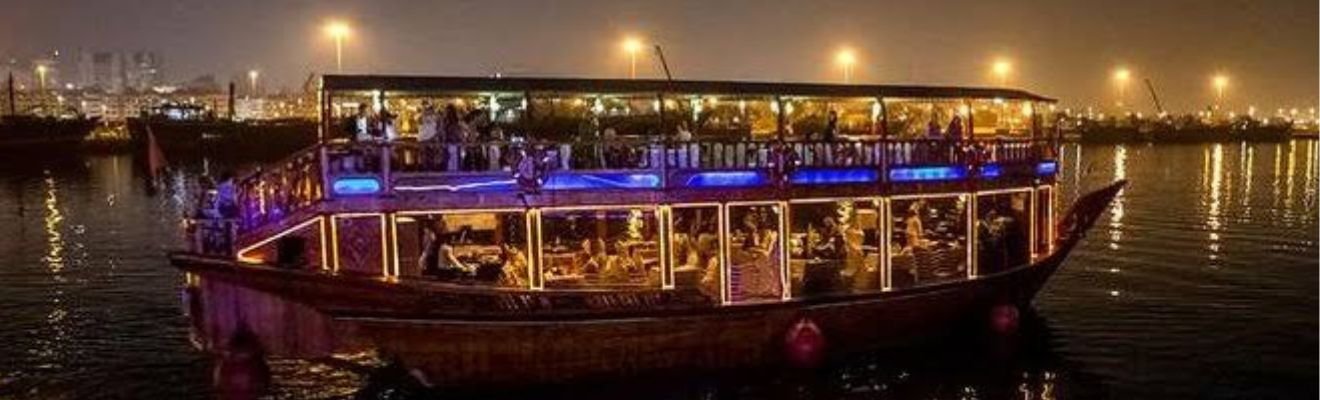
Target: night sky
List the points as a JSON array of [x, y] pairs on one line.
[[1065, 49]]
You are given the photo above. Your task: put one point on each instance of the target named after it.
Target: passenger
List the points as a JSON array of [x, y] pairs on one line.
[[684, 135], [429, 122], [831, 242], [831, 127], [617, 267], [450, 265], [452, 132], [362, 122], [913, 230], [514, 271], [759, 258], [388, 132], [955, 131], [933, 130], [429, 261], [226, 196]]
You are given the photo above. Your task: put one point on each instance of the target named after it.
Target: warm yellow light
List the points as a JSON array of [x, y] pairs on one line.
[[1220, 82], [254, 74], [1122, 75], [632, 45], [846, 57], [337, 30], [1002, 67]]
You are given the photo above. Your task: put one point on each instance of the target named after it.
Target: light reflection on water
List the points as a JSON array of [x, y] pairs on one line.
[[91, 307]]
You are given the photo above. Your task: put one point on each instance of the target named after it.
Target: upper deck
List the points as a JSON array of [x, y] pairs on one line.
[[548, 141]]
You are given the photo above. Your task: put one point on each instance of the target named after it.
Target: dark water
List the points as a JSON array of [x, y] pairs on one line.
[[1200, 283]]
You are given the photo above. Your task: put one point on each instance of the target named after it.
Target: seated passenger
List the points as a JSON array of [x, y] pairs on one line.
[[617, 268], [758, 259], [450, 265], [514, 271]]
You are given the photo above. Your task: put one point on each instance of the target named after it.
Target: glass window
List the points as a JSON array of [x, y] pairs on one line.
[[999, 117], [612, 248], [833, 247], [755, 253], [482, 248], [561, 117], [928, 244], [729, 117], [635, 115], [926, 118], [695, 249], [1003, 231], [809, 118]]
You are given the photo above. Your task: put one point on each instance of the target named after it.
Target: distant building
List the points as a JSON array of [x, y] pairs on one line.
[[116, 72], [143, 71]]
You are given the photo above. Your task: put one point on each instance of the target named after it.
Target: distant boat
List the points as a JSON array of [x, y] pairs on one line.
[[193, 130], [1180, 130], [18, 130]]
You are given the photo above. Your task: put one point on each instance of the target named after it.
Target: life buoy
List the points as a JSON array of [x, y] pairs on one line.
[[804, 344]]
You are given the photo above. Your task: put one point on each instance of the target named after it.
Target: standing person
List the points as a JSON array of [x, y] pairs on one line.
[[428, 133], [450, 133], [955, 131], [831, 127], [428, 123], [226, 196], [387, 131], [362, 124]]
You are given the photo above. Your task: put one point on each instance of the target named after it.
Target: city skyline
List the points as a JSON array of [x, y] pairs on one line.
[[1263, 51]]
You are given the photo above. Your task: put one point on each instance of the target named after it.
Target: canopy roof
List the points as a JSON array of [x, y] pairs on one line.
[[421, 84]]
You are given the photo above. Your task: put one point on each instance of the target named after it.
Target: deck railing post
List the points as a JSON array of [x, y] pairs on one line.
[[385, 156], [324, 159]]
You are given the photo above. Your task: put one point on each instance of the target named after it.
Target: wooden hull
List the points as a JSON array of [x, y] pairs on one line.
[[451, 352], [464, 337]]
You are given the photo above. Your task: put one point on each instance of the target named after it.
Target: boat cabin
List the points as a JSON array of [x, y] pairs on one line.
[[727, 192]]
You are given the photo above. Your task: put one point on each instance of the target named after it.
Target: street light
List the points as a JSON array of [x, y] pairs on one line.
[[632, 46], [338, 30], [1121, 78], [1220, 82], [252, 79], [1001, 68], [846, 59]]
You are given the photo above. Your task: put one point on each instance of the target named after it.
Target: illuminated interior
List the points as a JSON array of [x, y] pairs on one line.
[[1003, 231], [928, 241], [484, 248], [695, 249], [755, 252], [600, 248], [834, 247]]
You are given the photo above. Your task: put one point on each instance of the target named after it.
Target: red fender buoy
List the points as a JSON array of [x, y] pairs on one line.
[[804, 344], [1004, 319]]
